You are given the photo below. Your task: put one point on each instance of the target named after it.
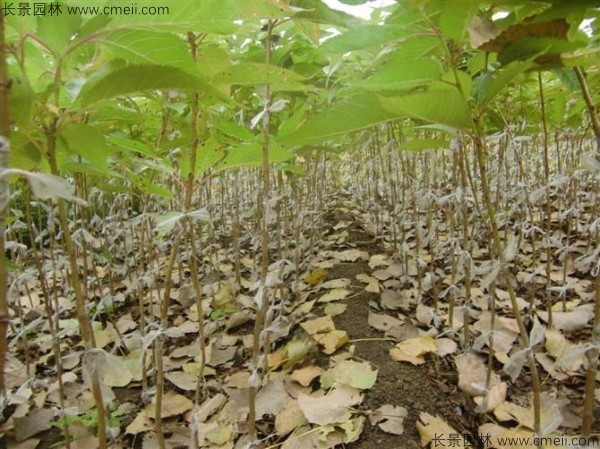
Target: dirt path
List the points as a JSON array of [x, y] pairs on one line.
[[422, 388]]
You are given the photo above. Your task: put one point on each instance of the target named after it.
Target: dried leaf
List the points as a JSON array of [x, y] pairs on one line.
[[173, 404], [305, 376], [432, 427], [183, 381], [390, 419], [332, 408], [316, 276], [355, 374], [336, 294], [36, 421], [413, 350], [335, 309], [472, 374], [289, 419]]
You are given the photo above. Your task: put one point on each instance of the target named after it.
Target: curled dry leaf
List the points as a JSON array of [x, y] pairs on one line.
[[335, 294], [393, 300], [289, 419], [472, 374], [336, 283], [379, 260], [500, 436], [304, 376], [383, 322], [431, 427], [183, 381], [390, 419], [210, 406], [272, 397], [445, 346], [348, 372], [350, 255], [571, 321], [36, 421], [323, 331], [413, 350], [335, 309], [173, 404], [493, 398], [332, 408], [140, 424]]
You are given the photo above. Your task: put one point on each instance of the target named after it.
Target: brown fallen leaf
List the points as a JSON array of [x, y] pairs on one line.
[[36, 421], [472, 374], [173, 404], [332, 408], [413, 350], [431, 427], [289, 418], [390, 419], [305, 376]]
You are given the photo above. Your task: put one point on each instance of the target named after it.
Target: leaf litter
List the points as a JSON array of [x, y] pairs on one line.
[[323, 405]]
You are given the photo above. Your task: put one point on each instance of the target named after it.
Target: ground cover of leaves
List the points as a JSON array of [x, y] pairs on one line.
[[358, 361]]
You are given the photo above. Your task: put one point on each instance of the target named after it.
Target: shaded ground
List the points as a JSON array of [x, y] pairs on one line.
[[425, 388]]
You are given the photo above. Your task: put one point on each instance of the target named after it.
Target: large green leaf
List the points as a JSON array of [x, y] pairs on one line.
[[529, 47], [250, 73], [130, 145], [351, 114], [150, 47], [441, 106], [56, 30], [87, 142], [317, 11], [248, 155], [204, 16], [401, 74], [201, 15], [488, 84], [455, 18], [208, 154], [140, 78], [366, 36]]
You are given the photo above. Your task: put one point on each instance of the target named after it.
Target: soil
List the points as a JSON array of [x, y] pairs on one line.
[[429, 388], [421, 388]]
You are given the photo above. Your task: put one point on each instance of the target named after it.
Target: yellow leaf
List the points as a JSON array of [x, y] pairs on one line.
[[316, 276]]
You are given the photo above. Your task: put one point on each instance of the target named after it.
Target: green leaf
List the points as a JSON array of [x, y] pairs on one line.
[[21, 96], [57, 30], [351, 114], [317, 11], [207, 156], [441, 106], [529, 47], [234, 130], [489, 84], [366, 36], [140, 78], [455, 19], [147, 187], [130, 145], [201, 16], [401, 74], [250, 155], [150, 47], [89, 143], [252, 73]]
